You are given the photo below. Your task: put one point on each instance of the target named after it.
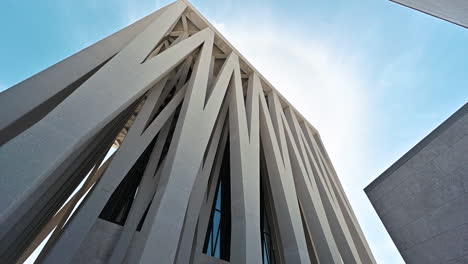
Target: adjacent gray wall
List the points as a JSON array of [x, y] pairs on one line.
[[455, 11], [422, 199]]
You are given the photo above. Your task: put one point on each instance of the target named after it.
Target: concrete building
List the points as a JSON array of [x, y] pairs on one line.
[[455, 11], [184, 152], [422, 199]]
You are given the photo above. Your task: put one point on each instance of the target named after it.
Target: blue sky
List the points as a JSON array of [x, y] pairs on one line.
[[372, 76]]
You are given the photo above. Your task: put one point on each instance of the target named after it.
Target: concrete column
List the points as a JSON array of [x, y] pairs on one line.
[[199, 191], [282, 184], [245, 170], [335, 217], [308, 195]]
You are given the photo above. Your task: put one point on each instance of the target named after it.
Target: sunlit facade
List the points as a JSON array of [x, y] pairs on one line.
[[162, 144]]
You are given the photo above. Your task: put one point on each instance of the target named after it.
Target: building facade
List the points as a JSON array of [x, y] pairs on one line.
[[162, 144], [455, 11], [422, 199]]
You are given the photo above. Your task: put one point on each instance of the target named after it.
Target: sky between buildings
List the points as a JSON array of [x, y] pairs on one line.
[[372, 76]]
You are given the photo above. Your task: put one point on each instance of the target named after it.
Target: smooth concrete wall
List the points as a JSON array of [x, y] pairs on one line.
[[422, 199], [98, 245], [455, 11]]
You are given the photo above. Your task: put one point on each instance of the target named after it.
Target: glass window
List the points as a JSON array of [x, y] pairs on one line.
[[218, 239], [268, 250]]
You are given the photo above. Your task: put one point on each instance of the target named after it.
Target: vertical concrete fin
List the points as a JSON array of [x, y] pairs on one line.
[[308, 196], [245, 170], [282, 185]]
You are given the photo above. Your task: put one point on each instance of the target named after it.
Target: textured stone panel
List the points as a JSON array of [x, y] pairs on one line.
[[439, 249], [422, 199]]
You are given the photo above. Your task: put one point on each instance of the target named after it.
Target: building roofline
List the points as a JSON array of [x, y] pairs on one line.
[[243, 60], [462, 111]]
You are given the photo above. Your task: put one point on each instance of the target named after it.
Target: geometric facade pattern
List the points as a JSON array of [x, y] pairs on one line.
[[162, 144]]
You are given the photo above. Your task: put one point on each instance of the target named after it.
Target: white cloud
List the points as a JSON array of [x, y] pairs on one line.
[[327, 90]]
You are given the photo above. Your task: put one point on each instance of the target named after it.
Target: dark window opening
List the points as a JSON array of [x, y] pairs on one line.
[[269, 237], [268, 248], [218, 238], [120, 202]]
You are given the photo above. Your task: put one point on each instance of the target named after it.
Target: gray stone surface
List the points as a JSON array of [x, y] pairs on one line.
[[455, 11], [422, 199]]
